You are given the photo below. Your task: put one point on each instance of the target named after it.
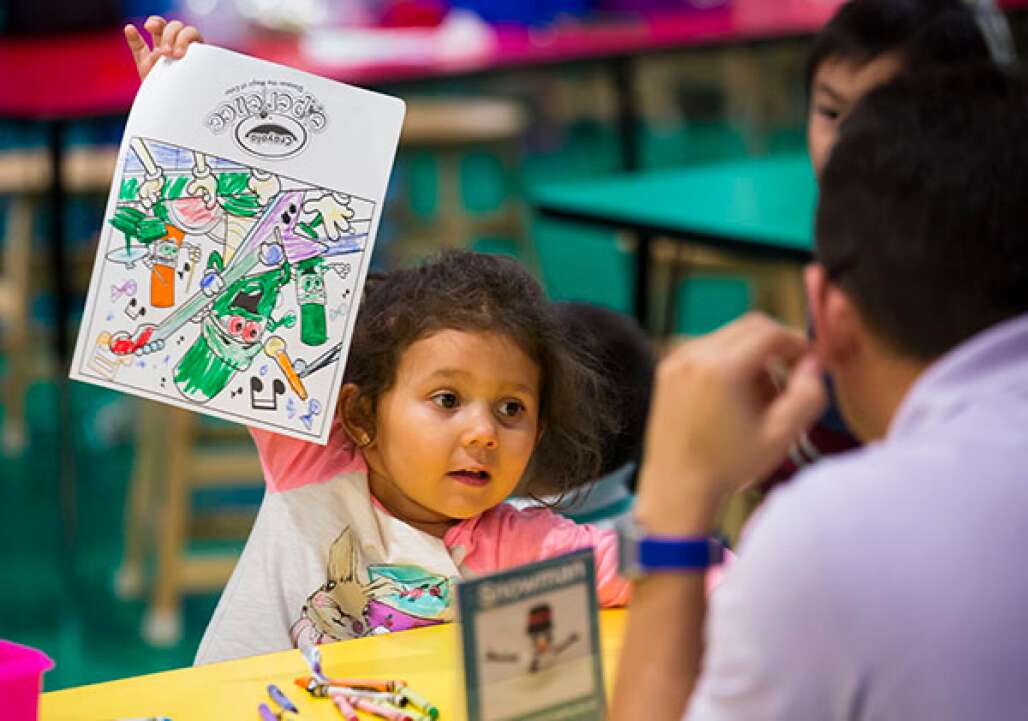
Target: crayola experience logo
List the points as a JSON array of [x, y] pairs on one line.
[[268, 118]]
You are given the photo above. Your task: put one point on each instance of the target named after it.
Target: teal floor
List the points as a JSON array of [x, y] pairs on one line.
[[67, 606]]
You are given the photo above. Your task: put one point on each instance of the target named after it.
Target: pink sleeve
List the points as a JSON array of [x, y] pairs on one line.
[[506, 537], [291, 463]]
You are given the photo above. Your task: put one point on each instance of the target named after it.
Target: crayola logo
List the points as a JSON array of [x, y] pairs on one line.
[[269, 119], [271, 136]]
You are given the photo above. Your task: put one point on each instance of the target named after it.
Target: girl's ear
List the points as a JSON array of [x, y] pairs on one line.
[[357, 416]]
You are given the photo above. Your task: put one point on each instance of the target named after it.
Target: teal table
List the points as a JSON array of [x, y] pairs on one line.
[[762, 208]]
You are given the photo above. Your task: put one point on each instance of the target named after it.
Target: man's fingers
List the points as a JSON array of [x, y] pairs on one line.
[[765, 340], [184, 38], [797, 407]]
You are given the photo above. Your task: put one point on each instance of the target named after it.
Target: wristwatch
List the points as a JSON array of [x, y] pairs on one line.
[[642, 554]]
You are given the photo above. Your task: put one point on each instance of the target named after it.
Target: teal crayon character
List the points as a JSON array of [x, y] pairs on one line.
[[311, 296]]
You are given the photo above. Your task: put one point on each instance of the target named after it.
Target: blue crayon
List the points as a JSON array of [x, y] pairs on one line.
[[281, 699]]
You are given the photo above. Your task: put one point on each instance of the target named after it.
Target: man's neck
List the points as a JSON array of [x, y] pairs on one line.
[[885, 379]]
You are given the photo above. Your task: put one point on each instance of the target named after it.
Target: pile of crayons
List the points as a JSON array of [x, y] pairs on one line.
[[390, 700]]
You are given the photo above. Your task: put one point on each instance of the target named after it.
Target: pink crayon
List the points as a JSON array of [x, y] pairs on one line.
[[384, 712], [344, 706]]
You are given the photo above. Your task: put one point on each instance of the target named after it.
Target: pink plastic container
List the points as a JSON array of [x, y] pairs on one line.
[[21, 676]]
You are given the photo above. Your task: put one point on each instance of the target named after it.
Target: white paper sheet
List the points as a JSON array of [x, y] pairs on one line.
[[236, 241]]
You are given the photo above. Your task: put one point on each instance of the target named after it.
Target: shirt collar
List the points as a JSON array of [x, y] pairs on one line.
[[994, 360]]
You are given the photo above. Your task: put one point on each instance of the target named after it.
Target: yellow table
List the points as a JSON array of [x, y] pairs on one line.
[[428, 658]]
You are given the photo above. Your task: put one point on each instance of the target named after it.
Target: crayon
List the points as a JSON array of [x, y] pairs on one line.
[[368, 684], [395, 699], [266, 713], [345, 707], [281, 699], [419, 701], [312, 685], [383, 712]]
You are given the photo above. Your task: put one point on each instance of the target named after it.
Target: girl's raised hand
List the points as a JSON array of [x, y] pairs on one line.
[[167, 39]]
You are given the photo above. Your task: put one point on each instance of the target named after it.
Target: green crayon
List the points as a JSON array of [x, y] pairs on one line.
[[419, 701]]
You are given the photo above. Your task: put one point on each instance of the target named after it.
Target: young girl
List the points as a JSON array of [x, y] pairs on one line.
[[458, 384]]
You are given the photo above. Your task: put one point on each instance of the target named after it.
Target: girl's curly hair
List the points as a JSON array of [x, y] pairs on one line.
[[462, 290]]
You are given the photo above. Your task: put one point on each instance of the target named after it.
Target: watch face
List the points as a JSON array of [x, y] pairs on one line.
[[639, 554], [628, 549]]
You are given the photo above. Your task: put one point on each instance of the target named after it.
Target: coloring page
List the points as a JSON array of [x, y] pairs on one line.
[[236, 241]]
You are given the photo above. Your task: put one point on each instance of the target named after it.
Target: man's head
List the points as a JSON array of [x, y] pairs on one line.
[[868, 42], [920, 232]]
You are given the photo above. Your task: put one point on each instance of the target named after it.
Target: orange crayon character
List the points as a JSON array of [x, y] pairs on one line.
[[164, 253]]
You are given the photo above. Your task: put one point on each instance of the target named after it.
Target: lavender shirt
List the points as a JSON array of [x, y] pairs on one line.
[[885, 583]]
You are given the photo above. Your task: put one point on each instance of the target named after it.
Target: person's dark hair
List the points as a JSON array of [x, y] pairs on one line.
[[461, 290], [923, 214], [923, 32], [625, 357]]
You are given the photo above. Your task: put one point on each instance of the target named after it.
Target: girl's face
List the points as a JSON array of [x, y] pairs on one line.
[[837, 86], [457, 429]]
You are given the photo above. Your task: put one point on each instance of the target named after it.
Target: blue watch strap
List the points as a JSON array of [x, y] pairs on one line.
[[656, 553]]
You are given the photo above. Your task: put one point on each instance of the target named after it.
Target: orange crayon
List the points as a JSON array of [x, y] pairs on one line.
[[369, 684]]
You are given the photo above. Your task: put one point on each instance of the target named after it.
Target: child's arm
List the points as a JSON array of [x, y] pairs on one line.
[[290, 462], [505, 537]]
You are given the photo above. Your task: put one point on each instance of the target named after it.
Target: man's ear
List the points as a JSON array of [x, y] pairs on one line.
[[357, 415], [837, 324]]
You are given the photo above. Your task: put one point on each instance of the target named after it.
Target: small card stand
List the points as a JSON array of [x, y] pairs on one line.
[[530, 642]]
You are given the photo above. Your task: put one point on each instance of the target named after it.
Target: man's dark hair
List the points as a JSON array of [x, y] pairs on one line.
[[922, 32], [924, 207]]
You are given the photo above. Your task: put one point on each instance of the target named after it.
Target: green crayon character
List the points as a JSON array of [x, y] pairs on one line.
[[231, 334], [311, 296]]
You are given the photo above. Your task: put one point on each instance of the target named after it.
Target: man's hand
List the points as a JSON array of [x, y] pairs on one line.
[[721, 419], [168, 40]]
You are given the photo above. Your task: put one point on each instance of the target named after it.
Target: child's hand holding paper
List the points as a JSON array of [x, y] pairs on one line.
[[168, 40]]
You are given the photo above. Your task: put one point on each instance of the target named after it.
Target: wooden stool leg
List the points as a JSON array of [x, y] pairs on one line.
[[791, 295], [454, 228], [139, 506], [513, 210], [163, 623], [16, 270]]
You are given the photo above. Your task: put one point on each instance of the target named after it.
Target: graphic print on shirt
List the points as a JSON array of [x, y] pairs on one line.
[[358, 600]]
